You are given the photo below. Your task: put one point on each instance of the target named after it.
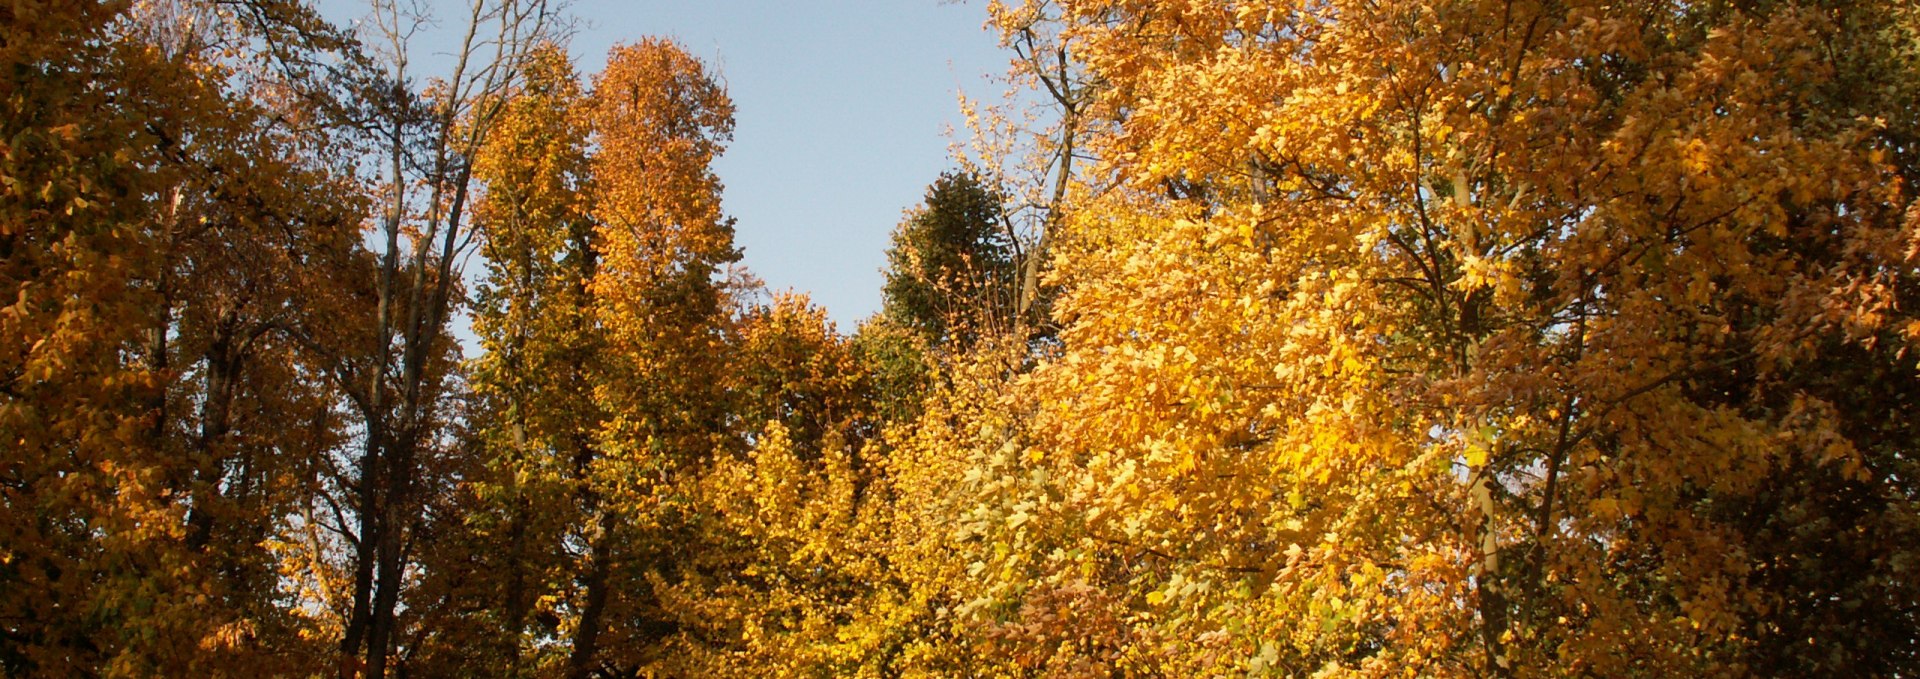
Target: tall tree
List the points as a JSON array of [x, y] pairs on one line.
[[189, 202], [76, 244], [427, 141], [657, 122], [500, 559]]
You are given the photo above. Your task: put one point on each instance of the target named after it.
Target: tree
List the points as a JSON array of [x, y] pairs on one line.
[[951, 274], [74, 253], [503, 560], [1029, 145], [790, 575], [657, 122], [1482, 339], [169, 193], [427, 142]]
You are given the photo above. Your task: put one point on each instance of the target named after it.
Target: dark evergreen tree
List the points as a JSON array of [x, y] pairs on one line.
[[951, 275]]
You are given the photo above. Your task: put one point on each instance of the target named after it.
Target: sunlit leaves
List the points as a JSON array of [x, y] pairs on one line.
[[1491, 299], [1381, 338]]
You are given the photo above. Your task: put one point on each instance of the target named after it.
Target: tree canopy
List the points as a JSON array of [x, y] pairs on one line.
[[1452, 338]]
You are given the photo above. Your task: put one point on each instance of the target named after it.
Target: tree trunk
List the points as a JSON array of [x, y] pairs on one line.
[[516, 590], [587, 638], [215, 422], [1490, 601]]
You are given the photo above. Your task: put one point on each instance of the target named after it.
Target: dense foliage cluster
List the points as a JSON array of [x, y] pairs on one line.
[[1470, 338]]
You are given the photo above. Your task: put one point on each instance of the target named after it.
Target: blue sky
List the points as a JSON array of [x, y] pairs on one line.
[[841, 111]]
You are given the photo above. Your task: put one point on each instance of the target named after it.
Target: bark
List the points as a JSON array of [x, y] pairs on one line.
[[516, 590], [587, 637], [215, 422], [1488, 598], [371, 528]]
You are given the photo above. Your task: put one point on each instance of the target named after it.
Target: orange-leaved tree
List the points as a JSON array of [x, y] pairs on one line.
[[657, 120], [496, 567], [167, 195]]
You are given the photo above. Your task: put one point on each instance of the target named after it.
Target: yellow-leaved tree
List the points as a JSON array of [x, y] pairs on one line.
[[1467, 339], [792, 577], [501, 561]]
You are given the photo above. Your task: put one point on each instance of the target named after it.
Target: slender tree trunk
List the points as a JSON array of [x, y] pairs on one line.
[[516, 590], [157, 335], [371, 529], [353, 638], [1491, 602], [215, 422], [1027, 310], [587, 638], [388, 566]]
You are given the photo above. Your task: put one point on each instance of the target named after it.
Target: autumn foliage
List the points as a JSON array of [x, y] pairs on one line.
[[1476, 338]]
